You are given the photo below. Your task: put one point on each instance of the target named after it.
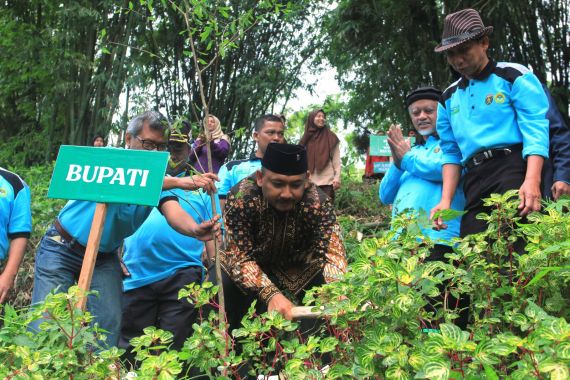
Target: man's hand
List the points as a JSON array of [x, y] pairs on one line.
[[529, 194], [559, 189], [336, 184], [199, 181], [126, 272], [207, 230], [398, 144], [6, 283], [281, 304], [438, 223]]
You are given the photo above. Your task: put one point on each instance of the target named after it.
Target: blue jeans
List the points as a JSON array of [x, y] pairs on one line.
[[57, 269]]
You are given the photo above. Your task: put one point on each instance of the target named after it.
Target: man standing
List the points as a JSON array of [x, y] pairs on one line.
[[490, 121], [283, 237], [414, 180], [60, 254], [267, 129], [15, 227], [161, 261]]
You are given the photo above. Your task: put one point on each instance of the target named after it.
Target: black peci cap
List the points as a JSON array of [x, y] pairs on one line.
[[428, 92], [286, 159]]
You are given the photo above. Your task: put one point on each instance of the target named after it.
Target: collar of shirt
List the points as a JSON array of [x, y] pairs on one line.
[[485, 73]]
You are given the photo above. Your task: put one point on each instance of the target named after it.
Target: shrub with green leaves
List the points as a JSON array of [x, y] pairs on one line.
[[519, 303], [378, 322]]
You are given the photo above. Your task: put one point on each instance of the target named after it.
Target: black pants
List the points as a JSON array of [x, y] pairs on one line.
[[157, 304], [497, 175], [437, 254]]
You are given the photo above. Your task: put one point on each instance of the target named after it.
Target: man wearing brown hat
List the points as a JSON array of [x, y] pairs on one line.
[[282, 234], [491, 121]]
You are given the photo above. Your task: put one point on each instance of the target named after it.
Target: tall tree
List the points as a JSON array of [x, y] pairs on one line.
[[70, 69]]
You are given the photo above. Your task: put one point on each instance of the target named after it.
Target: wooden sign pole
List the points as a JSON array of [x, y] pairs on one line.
[[91, 251]]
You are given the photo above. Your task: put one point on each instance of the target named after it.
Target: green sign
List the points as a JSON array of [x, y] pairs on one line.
[[108, 175], [379, 145], [381, 167]]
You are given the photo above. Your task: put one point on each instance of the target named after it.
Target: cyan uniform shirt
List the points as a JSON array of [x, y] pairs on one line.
[[417, 186], [234, 171], [122, 220], [156, 251], [15, 210], [505, 105]]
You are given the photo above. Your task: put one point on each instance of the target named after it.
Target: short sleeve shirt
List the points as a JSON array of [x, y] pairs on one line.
[[15, 210]]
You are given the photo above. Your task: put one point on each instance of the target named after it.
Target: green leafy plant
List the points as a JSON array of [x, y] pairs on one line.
[[378, 321], [64, 347]]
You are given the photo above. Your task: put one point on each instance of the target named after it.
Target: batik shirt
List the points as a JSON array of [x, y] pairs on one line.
[[269, 251]]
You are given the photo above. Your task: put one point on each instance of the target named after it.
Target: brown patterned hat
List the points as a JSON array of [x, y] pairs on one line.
[[460, 27]]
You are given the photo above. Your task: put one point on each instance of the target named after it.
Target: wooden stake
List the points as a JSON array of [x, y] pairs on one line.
[[91, 252]]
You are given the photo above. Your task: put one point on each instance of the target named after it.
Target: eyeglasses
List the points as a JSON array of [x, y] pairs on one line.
[[151, 145], [417, 111]]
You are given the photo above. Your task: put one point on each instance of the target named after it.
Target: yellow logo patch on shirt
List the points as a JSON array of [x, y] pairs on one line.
[[3, 192], [500, 98], [489, 99]]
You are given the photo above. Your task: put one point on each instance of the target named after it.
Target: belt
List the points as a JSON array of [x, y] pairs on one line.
[[486, 155], [74, 244]]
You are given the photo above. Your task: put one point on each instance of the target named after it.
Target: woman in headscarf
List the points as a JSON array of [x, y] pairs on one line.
[[219, 146], [323, 153]]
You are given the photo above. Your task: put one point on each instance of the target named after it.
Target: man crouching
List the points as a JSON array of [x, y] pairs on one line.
[[282, 236]]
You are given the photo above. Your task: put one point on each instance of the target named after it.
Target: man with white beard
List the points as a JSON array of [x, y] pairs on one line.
[[414, 181]]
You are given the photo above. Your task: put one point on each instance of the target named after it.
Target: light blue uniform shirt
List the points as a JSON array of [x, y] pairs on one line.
[[234, 171], [122, 220], [156, 251], [417, 186], [15, 210], [505, 105]]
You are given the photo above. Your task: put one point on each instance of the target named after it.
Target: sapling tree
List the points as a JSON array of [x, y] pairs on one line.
[[212, 29]]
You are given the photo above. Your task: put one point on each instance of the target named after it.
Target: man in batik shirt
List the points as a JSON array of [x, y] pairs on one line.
[[283, 236]]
